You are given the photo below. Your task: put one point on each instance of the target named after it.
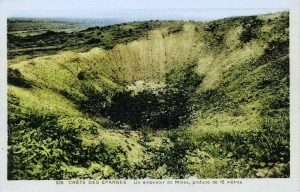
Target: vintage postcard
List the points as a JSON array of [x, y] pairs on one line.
[[147, 95]]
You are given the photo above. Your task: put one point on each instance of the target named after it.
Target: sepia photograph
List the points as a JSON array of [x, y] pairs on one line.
[[126, 90]]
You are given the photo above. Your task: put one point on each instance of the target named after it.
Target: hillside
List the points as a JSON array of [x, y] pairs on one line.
[[157, 99]]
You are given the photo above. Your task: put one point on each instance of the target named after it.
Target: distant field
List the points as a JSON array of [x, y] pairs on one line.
[[34, 26]]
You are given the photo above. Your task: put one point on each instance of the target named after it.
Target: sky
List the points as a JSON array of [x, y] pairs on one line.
[[140, 9]]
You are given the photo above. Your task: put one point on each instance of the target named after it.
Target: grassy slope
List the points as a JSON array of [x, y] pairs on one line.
[[244, 91]]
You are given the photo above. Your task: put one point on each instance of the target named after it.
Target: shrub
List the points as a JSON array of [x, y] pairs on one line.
[[166, 107], [93, 41], [250, 29], [43, 147], [15, 77]]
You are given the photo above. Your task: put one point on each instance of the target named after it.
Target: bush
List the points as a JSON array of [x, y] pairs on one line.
[[44, 147], [15, 77], [250, 29], [93, 41], [166, 107]]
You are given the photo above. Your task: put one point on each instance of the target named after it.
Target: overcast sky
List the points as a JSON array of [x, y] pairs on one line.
[[141, 9]]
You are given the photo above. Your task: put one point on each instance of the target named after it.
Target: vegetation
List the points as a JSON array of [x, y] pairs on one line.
[[157, 99], [106, 37], [34, 26]]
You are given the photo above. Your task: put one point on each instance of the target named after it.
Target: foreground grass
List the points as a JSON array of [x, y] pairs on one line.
[[79, 148]]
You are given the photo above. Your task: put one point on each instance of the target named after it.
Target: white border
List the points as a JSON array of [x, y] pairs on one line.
[[289, 184]]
